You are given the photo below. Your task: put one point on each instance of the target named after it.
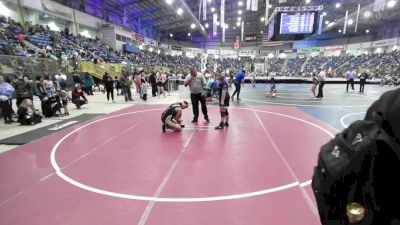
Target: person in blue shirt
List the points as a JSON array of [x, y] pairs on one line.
[[239, 81], [223, 93], [6, 92]]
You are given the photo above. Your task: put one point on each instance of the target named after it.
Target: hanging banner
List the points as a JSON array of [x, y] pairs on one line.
[[204, 9], [242, 31], [248, 4], [266, 12], [247, 52], [223, 19], [215, 18], [254, 5]]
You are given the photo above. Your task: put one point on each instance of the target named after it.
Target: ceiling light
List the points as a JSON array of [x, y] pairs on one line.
[[226, 26], [208, 1], [206, 25], [262, 19], [237, 23], [171, 35], [308, 1], [391, 3], [189, 34], [269, 6], [326, 22], [240, 3], [240, 12], [367, 31], [239, 18], [367, 14], [350, 22], [169, 2], [338, 5], [212, 9], [218, 23], [179, 11], [324, 13], [192, 25], [340, 31], [234, 28], [261, 32]]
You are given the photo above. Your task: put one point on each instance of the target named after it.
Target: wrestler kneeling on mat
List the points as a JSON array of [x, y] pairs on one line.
[[224, 97], [171, 117]]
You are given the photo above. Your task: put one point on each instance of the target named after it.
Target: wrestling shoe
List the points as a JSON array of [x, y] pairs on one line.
[[220, 126], [226, 124], [206, 119], [163, 128], [182, 125]]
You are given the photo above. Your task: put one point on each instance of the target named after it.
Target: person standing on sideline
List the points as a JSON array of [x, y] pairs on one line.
[[144, 87], [350, 79], [273, 75], [223, 94], [196, 83], [125, 86], [109, 86], [253, 78], [239, 81], [321, 81], [6, 92], [363, 80], [153, 83]]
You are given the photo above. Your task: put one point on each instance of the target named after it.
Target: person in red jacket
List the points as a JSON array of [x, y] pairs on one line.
[[78, 97]]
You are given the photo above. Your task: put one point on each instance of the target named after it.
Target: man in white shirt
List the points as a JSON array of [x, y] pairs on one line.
[[321, 80]]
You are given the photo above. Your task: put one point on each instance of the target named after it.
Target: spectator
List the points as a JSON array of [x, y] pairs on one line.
[[78, 97], [23, 88], [88, 83], [321, 82], [109, 86], [239, 81], [27, 115], [126, 86], [6, 91]]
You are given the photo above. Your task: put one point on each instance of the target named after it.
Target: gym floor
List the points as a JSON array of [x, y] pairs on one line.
[[119, 168]]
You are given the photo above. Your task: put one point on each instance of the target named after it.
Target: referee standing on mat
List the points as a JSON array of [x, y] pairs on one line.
[[196, 83]]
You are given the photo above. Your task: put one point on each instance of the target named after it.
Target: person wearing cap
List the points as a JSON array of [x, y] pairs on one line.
[[171, 117], [224, 98]]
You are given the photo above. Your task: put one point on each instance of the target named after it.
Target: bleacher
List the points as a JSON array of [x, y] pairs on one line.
[[42, 41]]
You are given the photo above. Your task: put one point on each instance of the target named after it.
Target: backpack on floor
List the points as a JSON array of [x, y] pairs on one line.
[[356, 180]]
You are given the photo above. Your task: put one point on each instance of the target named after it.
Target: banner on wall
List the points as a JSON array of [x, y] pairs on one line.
[[385, 42], [236, 45], [176, 48], [194, 50], [163, 46], [250, 37], [363, 45], [228, 52], [137, 37], [247, 52], [149, 41], [287, 51], [212, 51], [265, 52], [334, 48], [309, 50]]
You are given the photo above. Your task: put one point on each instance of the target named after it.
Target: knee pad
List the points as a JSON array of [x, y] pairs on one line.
[[222, 114], [226, 112]]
